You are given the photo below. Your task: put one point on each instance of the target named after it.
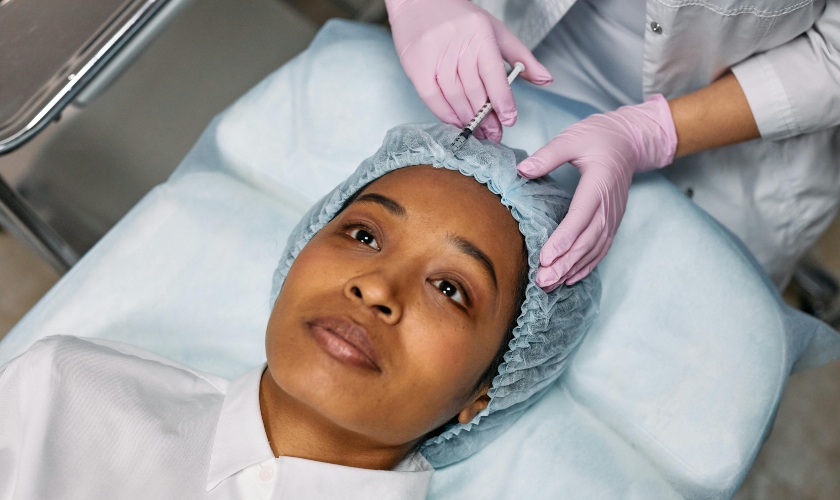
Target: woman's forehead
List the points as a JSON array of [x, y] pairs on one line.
[[416, 181], [446, 196], [447, 205]]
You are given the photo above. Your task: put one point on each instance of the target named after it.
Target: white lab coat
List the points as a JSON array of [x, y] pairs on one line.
[[777, 193]]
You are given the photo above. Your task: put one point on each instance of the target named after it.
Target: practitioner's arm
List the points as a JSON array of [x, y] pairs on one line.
[[609, 148], [714, 116], [784, 92]]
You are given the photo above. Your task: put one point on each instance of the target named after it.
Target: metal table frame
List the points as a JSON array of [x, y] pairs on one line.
[[112, 56]]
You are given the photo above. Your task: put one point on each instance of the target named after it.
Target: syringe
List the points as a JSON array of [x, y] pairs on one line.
[[468, 130]]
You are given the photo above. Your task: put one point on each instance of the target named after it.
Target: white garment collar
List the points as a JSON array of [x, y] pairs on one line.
[[240, 442], [240, 439]]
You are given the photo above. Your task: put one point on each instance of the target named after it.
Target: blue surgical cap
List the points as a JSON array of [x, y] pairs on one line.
[[549, 326]]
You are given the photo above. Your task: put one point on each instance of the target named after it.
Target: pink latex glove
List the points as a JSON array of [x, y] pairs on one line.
[[454, 53], [607, 149]]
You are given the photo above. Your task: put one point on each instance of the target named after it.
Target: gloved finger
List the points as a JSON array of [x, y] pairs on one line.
[[549, 288], [432, 95], [491, 68], [471, 79], [513, 51], [589, 257], [583, 244], [548, 278], [581, 213], [617, 209], [588, 269], [491, 127], [452, 87], [558, 151]]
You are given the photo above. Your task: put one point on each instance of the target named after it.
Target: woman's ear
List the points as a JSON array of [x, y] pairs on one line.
[[471, 410]]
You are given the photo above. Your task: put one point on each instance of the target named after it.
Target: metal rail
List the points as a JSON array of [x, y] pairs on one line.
[[16, 215], [20, 220]]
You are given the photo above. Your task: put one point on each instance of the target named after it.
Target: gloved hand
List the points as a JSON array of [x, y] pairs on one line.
[[454, 53], [607, 149]]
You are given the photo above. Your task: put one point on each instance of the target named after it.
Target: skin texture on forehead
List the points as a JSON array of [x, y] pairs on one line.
[[388, 317]]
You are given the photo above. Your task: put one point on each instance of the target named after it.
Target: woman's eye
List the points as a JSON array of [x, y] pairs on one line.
[[364, 237], [450, 290]]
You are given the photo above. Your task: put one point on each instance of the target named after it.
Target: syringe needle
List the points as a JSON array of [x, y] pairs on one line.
[[459, 141]]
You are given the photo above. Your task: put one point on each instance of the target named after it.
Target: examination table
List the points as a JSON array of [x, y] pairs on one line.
[[670, 395]]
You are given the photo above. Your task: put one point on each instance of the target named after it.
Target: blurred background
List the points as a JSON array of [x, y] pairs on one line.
[[87, 169]]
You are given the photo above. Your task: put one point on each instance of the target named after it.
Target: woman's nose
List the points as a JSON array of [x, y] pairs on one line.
[[375, 292]]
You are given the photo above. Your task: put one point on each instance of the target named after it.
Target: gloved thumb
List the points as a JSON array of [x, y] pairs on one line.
[[557, 152], [514, 50]]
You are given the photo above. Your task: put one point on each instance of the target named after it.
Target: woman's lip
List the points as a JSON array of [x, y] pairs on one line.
[[345, 340]]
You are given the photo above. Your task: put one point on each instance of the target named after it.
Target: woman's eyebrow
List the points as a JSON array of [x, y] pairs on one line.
[[468, 248], [387, 203]]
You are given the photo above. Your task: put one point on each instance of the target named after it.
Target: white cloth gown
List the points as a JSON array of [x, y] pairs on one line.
[[96, 419]]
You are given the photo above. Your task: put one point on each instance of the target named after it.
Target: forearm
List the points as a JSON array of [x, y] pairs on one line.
[[714, 116]]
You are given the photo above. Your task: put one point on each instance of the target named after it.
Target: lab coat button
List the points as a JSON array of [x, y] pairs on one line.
[[656, 28], [267, 473]]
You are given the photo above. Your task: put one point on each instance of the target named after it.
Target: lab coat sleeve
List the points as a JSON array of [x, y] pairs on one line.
[[794, 89]]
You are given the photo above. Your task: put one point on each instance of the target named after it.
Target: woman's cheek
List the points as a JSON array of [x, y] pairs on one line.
[[442, 351], [319, 268], [315, 258]]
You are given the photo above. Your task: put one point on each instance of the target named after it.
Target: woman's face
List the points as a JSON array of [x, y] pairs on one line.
[[391, 313]]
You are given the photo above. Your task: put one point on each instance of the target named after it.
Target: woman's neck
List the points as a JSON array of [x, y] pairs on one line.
[[296, 430]]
